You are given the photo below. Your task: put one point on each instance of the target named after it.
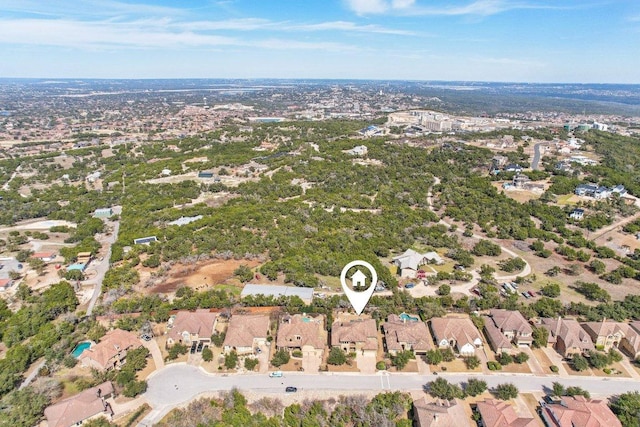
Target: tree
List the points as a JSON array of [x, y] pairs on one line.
[[506, 391], [577, 391], [444, 290], [521, 357], [442, 389], [218, 338], [504, 358], [592, 291], [486, 247], [552, 290], [250, 363], [176, 350], [231, 360], [557, 389], [134, 388], [598, 359], [472, 362], [579, 363], [336, 357], [597, 266], [281, 357], [447, 354], [207, 354], [434, 357], [401, 359], [627, 408], [475, 387], [244, 273]]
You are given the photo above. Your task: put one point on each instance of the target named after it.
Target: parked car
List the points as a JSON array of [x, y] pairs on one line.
[[146, 337], [275, 374], [291, 389], [410, 285], [526, 295]]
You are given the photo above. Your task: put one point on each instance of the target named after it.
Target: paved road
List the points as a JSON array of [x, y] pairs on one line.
[[536, 156], [32, 375], [102, 267], [180, 383]]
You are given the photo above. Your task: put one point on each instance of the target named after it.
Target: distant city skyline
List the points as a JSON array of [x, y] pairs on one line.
[[563, 41]]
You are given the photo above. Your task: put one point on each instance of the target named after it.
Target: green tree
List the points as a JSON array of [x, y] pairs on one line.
[[557, 389], [577, 391], [207, 354], [281, 357], [401, 359], [250, 363], [506, 391], [472, 362], [540, 337], [442, 389], [243, 273], [579, 363], [521, 357], [336, 357], [434, 357], [444, 290], [231, 360], [627, 408], [475, 387], [504, 358], [176, 350], [552, 290]]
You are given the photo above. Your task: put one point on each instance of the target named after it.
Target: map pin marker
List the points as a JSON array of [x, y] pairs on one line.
[[360, 297]]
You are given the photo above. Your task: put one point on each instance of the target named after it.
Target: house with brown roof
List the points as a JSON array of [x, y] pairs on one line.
[[606, 334], [88, 404], [496, 413], [356, 335], [44, 256], [577, 411], [440, 413], [302, 332], [246, 332], [567, 336], [513, 325], [498, 342], [190, 327], [458, 333], [630, 344], [111, 351], [406, 334]]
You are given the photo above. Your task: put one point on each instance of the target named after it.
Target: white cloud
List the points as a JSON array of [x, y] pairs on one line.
[[142, 34], [365, 7], [409, 7]]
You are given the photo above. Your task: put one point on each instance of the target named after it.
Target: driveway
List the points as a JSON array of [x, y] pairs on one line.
[[153, 348], [366, 363], [311, 362]]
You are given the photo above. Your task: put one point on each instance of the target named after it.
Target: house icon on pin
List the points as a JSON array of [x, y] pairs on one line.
[[358, 280]]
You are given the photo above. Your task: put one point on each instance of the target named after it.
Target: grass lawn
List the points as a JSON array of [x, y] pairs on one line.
[[522, 368], [566, 199], [616, 367], [543, 359], [586, 373]]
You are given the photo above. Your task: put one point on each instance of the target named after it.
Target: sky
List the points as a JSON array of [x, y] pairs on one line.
[[563, 41]]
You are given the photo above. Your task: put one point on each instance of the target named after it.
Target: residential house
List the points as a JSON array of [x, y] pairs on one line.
[[498, 342], [496, 413], [512, 167], [457, 333], [606, 334], [5, 284], [630, 344], [410, 261], [567, 336], [103, 213], [302, 332], [44, 256], [88, 404], [192, 327], [145, 240], [513, 325], [356, 335], [246, 332], [406, 334], [577, 411], [520, 181], [111, 351], [441, 413], [577, 214]]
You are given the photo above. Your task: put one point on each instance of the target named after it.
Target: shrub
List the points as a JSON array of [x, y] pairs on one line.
[[381, 366], [554, 369], [296, 353], [504, 358], [231, 360], [336, 357], [281, 357], [218, 339], [472, 362], [207, 354], [521, 357], [176, 350], [250, 363], [401, 359], [494, 366]]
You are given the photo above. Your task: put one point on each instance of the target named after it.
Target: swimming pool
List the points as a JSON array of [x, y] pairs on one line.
[[406, 317], [80, 348]]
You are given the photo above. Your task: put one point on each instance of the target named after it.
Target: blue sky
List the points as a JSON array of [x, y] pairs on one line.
[[596, 41]]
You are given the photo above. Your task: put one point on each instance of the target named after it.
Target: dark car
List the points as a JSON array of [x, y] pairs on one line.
[[291, 389]]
